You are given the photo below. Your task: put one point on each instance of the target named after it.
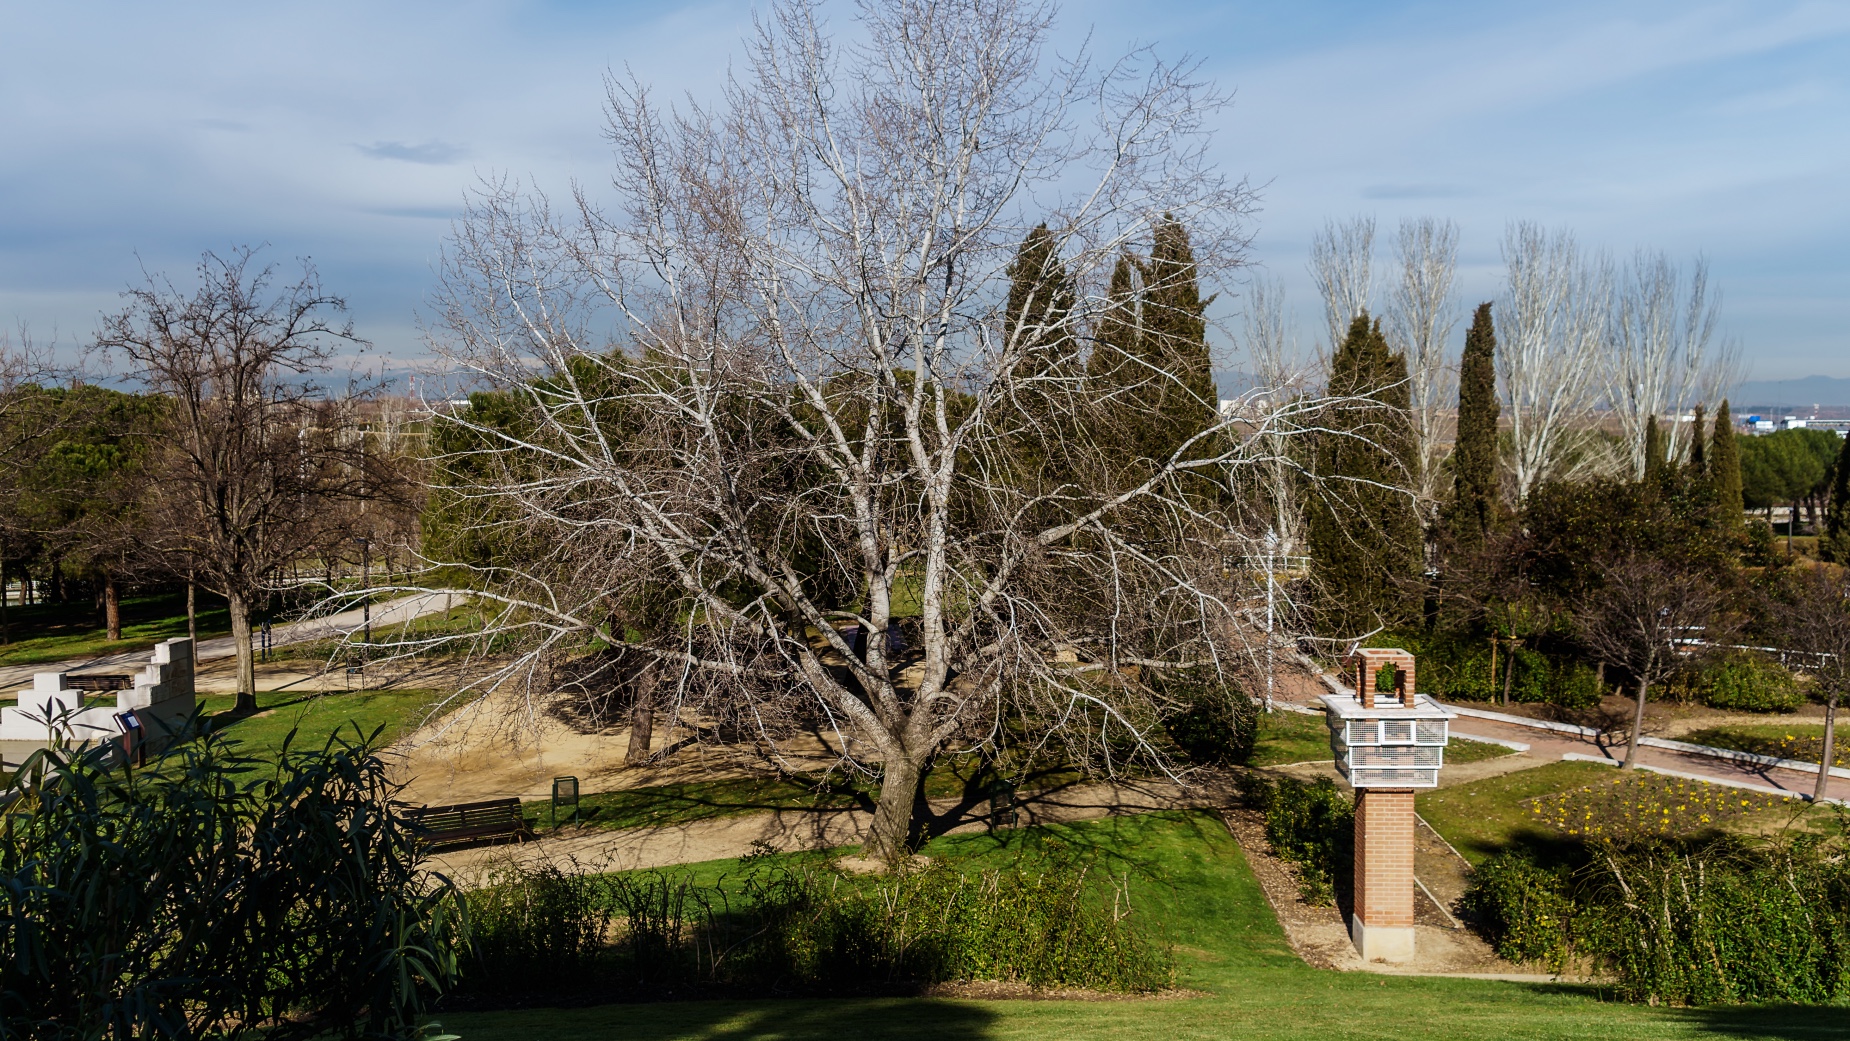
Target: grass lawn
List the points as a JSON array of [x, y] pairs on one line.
[[317, 715], [1192, 879], [1484, 817], [1292, 737], [1802, 741], [55, 632]]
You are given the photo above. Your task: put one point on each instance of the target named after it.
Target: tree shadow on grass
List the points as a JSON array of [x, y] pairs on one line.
[[786, 1020], [1810, 1022]]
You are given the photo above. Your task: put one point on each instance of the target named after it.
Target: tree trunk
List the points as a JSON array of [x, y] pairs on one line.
[[1509, 671], [892, 827], [247, 659], [1631, 753], [1824, 757], [112, 608], [6, 633], [192, 612], [1493, 663], [642, 717]]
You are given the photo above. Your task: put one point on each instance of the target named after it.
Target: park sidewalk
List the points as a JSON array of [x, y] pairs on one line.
[[1550, 745], [385, 615]]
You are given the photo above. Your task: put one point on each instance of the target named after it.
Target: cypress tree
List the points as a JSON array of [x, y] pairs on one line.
[[1725, 469], [1472, 511], [1364, 535], [1698, 463], [1037, 324], [1150, 353], [1175, 336], [1835, 545], [1040, 304], [1653, 453]]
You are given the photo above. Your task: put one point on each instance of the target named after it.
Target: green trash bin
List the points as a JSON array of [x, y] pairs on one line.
[[564, 797]]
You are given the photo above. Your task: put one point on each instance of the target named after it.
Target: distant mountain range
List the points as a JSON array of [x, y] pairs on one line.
[[1799, 393]]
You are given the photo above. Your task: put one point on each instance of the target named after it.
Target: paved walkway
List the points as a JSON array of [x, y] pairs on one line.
[[385, 614], [1551, 746]]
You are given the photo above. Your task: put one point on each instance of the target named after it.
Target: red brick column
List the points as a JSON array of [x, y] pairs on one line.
[[1383, 921]]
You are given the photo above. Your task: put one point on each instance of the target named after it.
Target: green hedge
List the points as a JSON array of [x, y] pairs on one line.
[[1747, 682], [1311, 825], [1724, 922]]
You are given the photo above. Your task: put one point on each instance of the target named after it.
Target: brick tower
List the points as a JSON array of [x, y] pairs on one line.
[[1388, 741]]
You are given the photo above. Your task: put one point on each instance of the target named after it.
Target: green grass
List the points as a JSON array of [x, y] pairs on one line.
[[1191, 879], [1801, 741], [56, 632], [1484, 817], [315, 716], [1292, 737]]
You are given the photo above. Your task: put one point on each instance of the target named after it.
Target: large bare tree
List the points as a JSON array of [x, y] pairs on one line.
[[253, 464], [1421, 312], [1551, 331], [1342, 257], [1663, 358], [777, 388]]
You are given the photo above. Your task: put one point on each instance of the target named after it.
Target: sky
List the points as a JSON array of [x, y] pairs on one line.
[[135, 136]]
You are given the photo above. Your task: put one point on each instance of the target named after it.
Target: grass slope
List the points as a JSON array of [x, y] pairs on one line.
[[315, 716], [1192, 879]]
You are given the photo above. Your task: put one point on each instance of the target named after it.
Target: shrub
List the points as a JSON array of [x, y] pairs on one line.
[[1523, 910], [1575, 685], [1219, 726], [216, 895], [783, 929], [1749, 683], [1311, 825]]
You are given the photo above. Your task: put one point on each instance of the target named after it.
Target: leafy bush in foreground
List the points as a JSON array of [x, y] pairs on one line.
[[215, 895]]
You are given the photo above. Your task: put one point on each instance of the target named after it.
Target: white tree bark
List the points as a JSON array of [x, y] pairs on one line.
[[812, 419], [1421, 313], [1341, 262], [1663, 360], [1551, 329]]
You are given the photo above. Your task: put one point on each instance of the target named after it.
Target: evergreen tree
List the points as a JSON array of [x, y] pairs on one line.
[[1175, 336], [1698, 463], [1653, 453], [1835, 543], [1038, 325], [1040, 305], [1472, 511], [1150, 353], [1725, 469], [1364, 534]]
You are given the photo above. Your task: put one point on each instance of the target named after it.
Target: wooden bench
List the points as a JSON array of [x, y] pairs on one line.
[[466, 822]]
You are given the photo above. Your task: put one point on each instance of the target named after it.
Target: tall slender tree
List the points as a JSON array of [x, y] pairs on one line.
[[1037, 332], [1176, 334], [1835, 543], [1698, 453], [1471, 514], [1654, 462], [1725, 469], [1364, 531]]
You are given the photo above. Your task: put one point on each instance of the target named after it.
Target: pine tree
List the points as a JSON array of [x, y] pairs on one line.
[[1364, 534], [1472, 511], [1725, 469], [1835, 545]]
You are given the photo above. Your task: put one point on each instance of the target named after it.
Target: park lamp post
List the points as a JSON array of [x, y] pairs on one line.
[[1388, 741], [366, 602]]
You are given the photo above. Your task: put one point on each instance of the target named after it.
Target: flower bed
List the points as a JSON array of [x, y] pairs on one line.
[[1804, 742], [1642, 805]]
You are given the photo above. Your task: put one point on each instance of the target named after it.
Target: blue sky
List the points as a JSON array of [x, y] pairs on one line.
[[349, 132]]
